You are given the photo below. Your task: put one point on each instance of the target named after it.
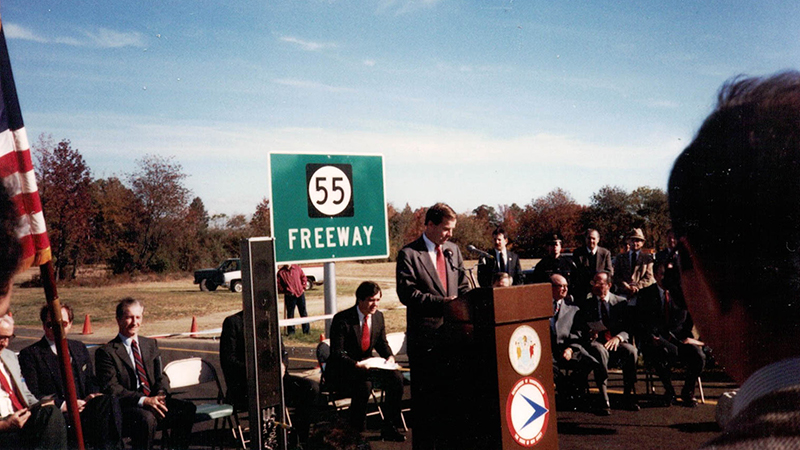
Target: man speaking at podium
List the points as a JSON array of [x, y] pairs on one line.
[[430, 272]]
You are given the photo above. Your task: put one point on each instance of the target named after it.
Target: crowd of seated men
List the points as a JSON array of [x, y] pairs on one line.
[[607, 311], [126, 396]]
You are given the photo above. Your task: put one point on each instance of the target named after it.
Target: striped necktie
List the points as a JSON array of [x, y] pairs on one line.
[[140, 372]]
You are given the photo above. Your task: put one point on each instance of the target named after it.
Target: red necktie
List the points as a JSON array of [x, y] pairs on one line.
[[137, 357], [440, 267], [12, 395], [365, 334], [666, 306]]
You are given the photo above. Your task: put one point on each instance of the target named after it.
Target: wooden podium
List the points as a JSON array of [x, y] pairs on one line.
[[497, 371]]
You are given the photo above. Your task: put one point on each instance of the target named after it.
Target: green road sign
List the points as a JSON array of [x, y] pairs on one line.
[[328, 207]]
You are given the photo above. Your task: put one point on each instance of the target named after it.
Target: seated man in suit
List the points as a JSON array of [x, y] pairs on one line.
[[21, 426], [299, 392], [130, 368], [733, 196], [101, 419], [355, 332], [611, 333], [666, 335], [569, 339]]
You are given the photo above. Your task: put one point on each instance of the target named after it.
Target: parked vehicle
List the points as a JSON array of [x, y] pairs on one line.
[[229, 274]]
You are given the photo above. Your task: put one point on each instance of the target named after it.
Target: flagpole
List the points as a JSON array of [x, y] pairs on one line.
[[71, 397]]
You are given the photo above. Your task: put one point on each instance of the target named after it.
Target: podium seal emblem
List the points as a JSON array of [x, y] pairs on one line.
[[524, 350], [527, 412]]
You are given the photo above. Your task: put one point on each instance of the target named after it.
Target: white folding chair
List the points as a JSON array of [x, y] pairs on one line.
[[191, 372]]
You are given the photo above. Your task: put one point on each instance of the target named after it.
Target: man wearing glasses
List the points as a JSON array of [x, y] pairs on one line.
[[24, 423], [101, 419]]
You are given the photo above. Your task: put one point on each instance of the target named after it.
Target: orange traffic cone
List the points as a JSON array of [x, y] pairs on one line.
[[194, 327], [87, 325], [321, 337], [10, 314]]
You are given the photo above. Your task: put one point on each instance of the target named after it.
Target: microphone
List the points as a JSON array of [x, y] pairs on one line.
[[474, 249], [449, 255]]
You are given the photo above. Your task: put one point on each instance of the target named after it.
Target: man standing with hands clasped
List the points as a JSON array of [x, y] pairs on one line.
[[130, 368]]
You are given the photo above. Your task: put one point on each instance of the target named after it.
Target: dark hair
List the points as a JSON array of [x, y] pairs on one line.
[[44, 313], [498, 231], [590, 231], [366, 290], [10, 248], [126, 303], [734, 194], [439, 212]]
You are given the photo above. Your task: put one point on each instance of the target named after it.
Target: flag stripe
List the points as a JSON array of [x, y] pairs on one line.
[[16, 168]]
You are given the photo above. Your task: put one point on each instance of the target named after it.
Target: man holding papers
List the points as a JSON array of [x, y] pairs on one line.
[[355, 332]]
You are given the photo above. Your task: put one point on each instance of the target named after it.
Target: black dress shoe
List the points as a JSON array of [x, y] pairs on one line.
[[632, 405], [688, 402], [391, 434], [668, 400], [604, 409]]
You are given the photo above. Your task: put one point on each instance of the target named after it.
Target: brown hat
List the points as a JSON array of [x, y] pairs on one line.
[[636, 234]]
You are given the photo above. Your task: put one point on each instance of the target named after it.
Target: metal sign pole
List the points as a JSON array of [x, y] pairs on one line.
[[330, 293]]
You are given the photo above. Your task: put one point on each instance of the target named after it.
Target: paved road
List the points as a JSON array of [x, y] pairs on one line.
[[652, 428]]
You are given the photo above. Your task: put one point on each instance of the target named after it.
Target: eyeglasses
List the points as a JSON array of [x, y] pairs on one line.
[[53, 325], [9, 338], [561, 286]]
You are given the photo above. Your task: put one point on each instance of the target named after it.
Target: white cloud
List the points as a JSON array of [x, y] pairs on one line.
[[106, 38], [14, 31], [102, 38], [369, 63], [304, 84], [307, 45]]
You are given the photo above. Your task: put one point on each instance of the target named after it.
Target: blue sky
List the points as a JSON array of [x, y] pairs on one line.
[[470, 102]]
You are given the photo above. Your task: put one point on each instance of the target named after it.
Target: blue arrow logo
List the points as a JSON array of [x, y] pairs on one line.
[[538, 411]]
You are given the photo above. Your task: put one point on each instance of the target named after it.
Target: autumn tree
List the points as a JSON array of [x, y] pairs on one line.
[[65, 183], [117, 219], [259, 223], [555, 212], [158, 185]]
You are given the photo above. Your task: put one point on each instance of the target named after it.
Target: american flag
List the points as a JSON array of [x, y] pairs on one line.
[[16, 168]]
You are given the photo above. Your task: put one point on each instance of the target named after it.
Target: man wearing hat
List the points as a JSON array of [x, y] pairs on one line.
[[553, 263], [633, 270]]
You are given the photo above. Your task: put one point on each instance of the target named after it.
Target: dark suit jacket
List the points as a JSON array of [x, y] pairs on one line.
[[117, 376], [653, 322], [232, 358], [641, 275], [42, 370], [619, 320], [419, 288], [586, 264], [547, 266], [346, 344], [513, 268], [772, 421]]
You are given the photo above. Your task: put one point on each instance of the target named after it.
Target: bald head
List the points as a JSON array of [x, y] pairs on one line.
[[560, 286]]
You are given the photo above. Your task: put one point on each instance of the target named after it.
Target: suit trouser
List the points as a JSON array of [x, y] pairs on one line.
[[581, 364], [625, 356], [45, 429], [424, 398], [663, 354], [101, 422], [360, 384], [141, 424]]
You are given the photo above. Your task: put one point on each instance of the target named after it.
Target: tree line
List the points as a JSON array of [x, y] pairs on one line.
[[148, 221]]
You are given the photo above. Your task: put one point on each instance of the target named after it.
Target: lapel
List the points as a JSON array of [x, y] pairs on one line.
[[51, 361], [122, 354]]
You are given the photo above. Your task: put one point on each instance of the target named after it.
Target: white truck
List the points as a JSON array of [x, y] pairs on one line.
[[229, 274]]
